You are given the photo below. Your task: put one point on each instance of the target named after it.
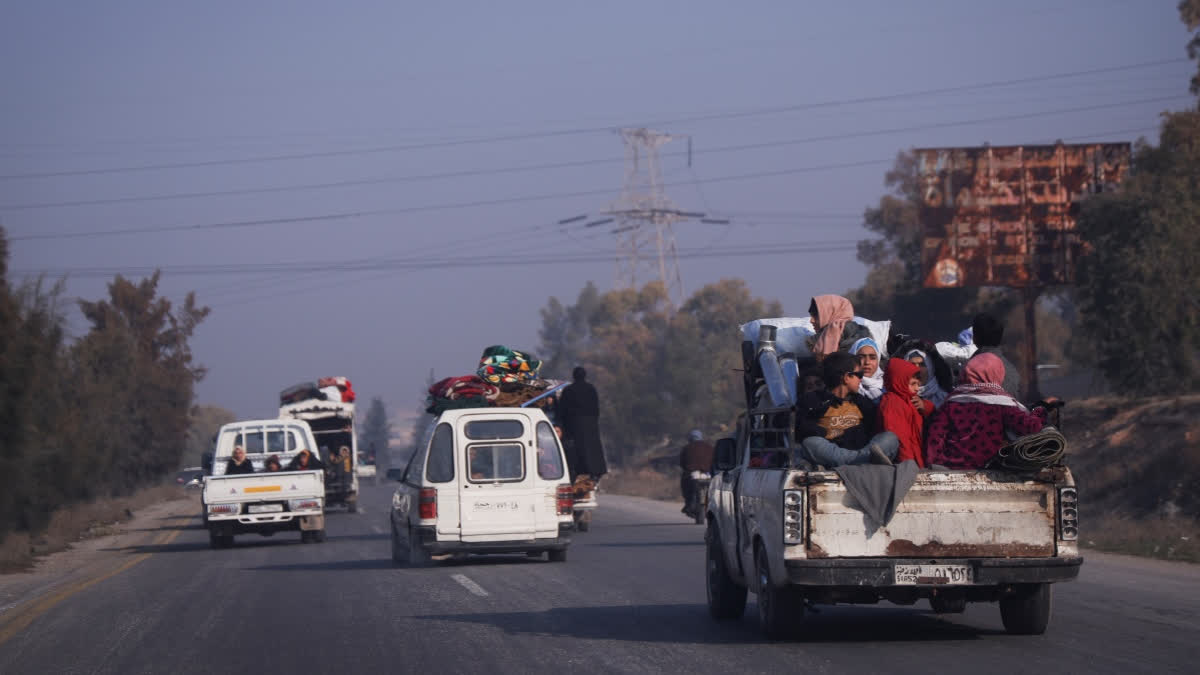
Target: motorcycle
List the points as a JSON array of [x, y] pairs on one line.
[[699, 503]]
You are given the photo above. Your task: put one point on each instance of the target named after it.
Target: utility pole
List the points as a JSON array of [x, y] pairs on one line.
[[645, 215]]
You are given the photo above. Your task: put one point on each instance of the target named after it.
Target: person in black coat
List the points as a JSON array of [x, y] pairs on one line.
[[239, 463], [579, 409]]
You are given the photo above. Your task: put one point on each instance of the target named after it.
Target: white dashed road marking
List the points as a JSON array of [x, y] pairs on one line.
[[469, 585], [378, 529]]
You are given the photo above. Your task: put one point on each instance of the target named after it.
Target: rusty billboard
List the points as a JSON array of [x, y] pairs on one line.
[[1005, 215]]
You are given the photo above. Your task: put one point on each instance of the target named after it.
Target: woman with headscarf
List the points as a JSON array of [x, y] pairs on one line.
[[305, 461], [239, 463], [931, 389], [833, 320], [867, 351], [978, 416]]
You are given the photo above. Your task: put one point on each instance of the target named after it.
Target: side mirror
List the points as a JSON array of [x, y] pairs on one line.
[[725, 457], [206, 463]]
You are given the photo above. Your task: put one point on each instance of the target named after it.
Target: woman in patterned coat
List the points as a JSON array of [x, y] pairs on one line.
[[974, 423]]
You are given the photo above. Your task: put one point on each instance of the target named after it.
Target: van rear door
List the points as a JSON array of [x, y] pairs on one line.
[[498, 492]]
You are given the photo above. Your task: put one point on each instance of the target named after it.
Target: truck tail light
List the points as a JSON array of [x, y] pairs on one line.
[[225, 509], [565, 499], [427, 504], [1068, 514], [793, 516]]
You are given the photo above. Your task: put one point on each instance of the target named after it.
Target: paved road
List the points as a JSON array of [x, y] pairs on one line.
[[629, 599]]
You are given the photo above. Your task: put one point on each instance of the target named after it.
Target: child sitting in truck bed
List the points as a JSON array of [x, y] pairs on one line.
[[838, 425]]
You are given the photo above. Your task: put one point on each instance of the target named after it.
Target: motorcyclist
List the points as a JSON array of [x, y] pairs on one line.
[[695, 460]]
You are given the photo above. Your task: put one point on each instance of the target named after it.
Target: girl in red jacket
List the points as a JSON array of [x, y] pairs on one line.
[[902, 411]]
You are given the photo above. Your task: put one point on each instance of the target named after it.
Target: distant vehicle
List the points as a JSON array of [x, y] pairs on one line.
[[484, 480], [332, 424], [264, 503], [190, 477]]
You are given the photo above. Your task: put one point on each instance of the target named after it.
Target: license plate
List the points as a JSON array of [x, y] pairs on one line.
[[264, 508], [497, 506], [911, 575]]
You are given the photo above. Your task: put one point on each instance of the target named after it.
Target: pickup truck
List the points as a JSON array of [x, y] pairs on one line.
[[263, 503], [793, 536]]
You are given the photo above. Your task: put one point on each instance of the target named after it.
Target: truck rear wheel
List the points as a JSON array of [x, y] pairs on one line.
[[216, 540], [726, 599], [779, 609], [399, 552], [558, 555], [418, 556], [1027, 610]]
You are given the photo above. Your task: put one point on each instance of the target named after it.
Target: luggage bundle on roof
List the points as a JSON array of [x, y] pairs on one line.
[[505, 378], [338, 389]]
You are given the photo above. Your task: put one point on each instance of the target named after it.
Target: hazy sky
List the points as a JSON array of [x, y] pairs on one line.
[[205, 93]]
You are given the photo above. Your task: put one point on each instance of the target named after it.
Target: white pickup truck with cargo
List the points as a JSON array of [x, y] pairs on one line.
[[484, 480], [332, 424], [263, 503], [794, 534]]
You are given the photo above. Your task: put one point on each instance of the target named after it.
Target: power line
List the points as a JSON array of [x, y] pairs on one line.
[[413, 209], [588, 162], [485, 202], [587, 130], [310, 266]]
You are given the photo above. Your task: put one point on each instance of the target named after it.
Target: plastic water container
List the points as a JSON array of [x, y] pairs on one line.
[[768, 361]]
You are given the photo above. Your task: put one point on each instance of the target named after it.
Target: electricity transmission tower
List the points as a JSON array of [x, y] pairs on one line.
[[644, 216]]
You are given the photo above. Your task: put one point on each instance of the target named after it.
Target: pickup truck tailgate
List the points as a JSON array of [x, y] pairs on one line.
[[257, 487], [944, 515]]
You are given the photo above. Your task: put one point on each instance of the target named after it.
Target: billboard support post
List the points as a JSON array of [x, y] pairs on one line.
[[1032, 390]]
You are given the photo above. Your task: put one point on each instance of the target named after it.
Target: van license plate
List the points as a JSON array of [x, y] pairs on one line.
[[264, 508], [911, 575]]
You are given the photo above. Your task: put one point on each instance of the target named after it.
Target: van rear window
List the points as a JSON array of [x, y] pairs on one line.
[[494, 430], [496, 462]]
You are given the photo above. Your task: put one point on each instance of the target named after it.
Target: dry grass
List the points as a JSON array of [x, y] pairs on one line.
[[643, 482], [1166, 538], [19, 550]]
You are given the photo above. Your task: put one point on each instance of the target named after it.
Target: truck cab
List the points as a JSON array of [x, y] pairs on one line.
[[794, 535], [485, 480]]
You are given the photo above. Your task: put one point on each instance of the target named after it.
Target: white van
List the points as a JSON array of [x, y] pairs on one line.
[[484, 480]]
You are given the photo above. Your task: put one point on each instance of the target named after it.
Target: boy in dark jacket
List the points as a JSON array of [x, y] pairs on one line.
[[837, 426]]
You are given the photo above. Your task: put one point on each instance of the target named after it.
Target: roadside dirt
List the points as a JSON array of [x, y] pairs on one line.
[[95, 557]]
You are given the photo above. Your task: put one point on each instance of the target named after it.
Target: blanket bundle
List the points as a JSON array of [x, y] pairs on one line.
[[501, 365]]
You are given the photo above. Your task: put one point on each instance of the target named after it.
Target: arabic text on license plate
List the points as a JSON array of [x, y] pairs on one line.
[[932, 574], [264, 508], [496, 506]]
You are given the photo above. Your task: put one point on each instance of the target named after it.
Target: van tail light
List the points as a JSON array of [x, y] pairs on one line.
[[565, 499], [427, 509]]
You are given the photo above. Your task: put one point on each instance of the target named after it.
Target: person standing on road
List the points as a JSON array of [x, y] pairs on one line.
[[580, 407], [695, 458]]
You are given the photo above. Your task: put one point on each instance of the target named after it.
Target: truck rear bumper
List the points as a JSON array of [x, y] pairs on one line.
[[879, 572], [428, 540]]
